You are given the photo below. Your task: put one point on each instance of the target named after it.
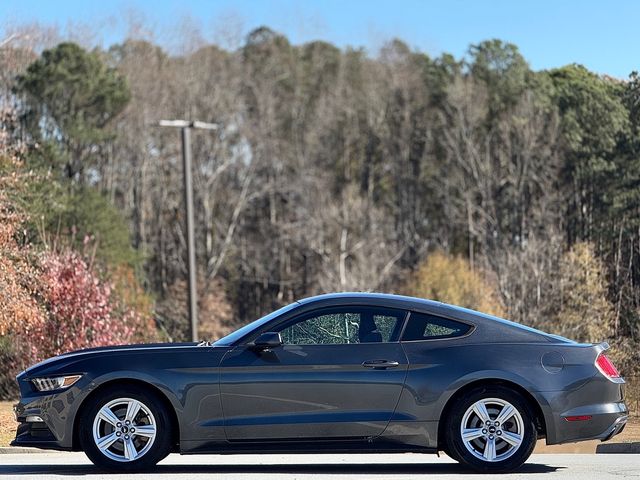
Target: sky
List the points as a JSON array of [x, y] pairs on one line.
[[602, 35]]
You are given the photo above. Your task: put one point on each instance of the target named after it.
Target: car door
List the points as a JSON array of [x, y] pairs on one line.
[[338, 375]]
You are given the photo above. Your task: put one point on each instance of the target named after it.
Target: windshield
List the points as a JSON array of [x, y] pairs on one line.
[[241, 332]]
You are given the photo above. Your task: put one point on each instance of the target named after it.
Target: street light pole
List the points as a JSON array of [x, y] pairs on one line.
[[191, 246], [186, 127]]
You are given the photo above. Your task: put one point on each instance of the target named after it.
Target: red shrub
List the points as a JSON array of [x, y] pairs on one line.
[[79, 308]]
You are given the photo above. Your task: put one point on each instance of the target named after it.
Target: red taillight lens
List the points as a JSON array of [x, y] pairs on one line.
[[578, 418], [606, 367]]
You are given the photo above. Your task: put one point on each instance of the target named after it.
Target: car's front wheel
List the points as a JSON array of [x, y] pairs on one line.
[[491, 430], [125, 429]]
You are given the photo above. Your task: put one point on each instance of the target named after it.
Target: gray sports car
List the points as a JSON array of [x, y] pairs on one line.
[[347, 372]]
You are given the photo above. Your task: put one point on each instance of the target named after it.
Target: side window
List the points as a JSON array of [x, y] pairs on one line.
[[386, 325], [331, 328], [344, 325], [422, 326]]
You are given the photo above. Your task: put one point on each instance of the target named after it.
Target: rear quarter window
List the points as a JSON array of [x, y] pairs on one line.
[[422, 326]]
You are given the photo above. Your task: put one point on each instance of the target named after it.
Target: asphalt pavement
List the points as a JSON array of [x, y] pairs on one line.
[[303, 466]]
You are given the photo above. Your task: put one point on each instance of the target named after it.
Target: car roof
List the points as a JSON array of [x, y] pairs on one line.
[[390, 300], [489, 323], [368, 296]]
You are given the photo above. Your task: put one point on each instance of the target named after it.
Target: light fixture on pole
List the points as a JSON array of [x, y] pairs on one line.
[[186, 127]]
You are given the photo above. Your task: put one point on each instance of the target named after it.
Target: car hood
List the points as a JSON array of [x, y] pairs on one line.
[[70, 356]]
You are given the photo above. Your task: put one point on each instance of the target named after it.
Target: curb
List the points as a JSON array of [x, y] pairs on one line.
[[12, 450], [631, 447]]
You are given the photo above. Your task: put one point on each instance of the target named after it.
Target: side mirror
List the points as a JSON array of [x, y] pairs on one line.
[[268, 340]]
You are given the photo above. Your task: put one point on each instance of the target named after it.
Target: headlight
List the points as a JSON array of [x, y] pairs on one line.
[[54, 383]]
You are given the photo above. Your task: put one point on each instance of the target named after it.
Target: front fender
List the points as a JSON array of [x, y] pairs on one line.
[[122, 376]]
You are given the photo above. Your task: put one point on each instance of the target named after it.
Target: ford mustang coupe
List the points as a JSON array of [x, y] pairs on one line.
[[348, 372]]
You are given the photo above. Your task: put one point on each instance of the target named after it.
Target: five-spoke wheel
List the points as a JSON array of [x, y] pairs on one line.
[[490, 429], [126, 429]]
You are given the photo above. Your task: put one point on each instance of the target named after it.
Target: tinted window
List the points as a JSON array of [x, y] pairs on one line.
[[424, 327], [342, 326]]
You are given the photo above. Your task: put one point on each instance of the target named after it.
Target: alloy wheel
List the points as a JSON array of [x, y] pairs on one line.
[[124, 429], [492, 429]]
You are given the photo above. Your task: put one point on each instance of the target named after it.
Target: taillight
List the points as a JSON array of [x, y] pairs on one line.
[[606, 367]]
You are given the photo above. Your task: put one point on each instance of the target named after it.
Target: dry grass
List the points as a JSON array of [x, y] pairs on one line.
[[8, 424], [631, 433]]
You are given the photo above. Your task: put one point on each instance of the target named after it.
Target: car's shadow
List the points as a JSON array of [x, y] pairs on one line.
[[320, 469]]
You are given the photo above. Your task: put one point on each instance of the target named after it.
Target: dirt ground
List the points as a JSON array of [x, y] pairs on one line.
[[631, 433]]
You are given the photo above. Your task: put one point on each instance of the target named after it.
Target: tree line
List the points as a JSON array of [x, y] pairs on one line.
[[473, 180]]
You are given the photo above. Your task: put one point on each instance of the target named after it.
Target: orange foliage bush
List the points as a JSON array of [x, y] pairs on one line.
[[585, 312], [18, 278], [451, 279], [18, 307]]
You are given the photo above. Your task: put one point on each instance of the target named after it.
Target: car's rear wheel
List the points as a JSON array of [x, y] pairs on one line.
[[491, 430], [125, 429]]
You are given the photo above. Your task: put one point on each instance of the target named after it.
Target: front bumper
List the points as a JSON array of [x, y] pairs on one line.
[[55, 414], [38, 435]]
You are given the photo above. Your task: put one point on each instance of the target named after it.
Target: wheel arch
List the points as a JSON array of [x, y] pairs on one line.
[[536, 408], [123, 382]]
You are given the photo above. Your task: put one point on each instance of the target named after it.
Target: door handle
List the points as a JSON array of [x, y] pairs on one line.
[[380, 364]]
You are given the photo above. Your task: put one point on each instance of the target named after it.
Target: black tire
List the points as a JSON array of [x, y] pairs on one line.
[[159, 448], [513, 458]]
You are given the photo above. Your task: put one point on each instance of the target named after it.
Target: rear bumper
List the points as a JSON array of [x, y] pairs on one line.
[[601, 422], [616, 428], [593, 410]]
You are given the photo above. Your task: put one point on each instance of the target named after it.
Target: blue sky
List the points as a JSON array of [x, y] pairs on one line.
[[602, 35]]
